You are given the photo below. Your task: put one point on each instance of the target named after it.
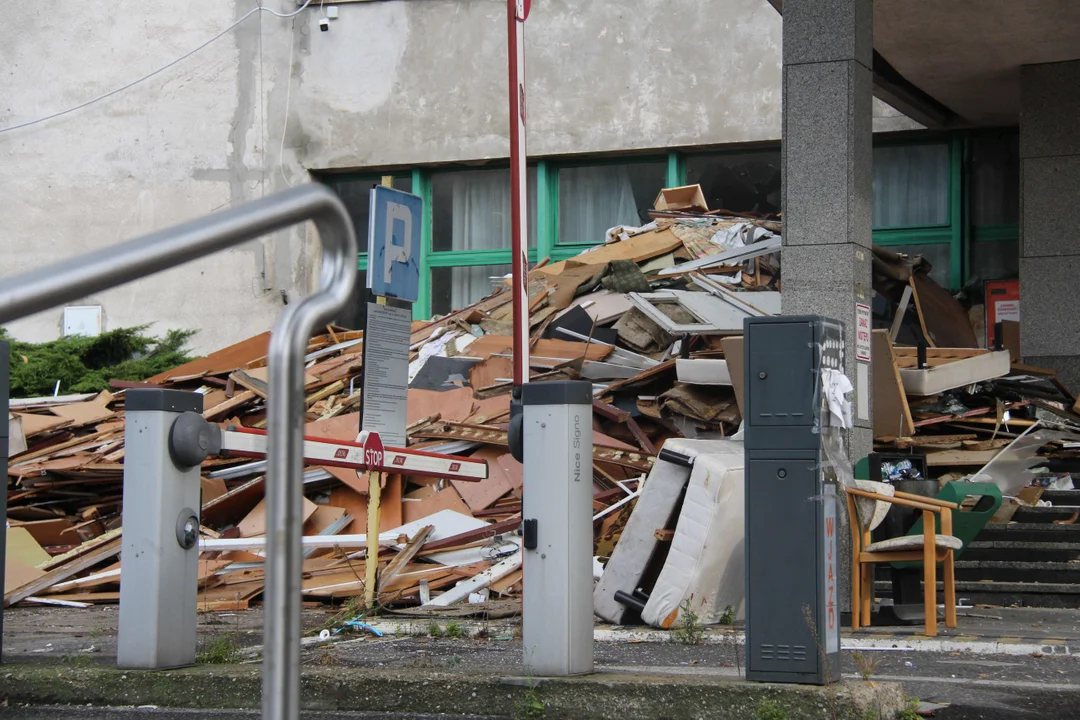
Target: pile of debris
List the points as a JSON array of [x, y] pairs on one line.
[[961, 411], [653, 318], [644, 317]]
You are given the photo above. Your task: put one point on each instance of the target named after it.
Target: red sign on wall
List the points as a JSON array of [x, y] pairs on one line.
[[1002, 303]]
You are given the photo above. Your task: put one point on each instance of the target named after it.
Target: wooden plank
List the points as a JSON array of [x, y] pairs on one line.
[[326, 392], [63, 572], [635, 459], [892, 415], [483, 494], [480, 581], [940, 352], [83, 413], [221, 361], [471, 536], [229, 405], [212, 488], [733, 354], [944, 319], [254, 523], [36, 424], [48, 532], [92, 597], [404, 557], [901, 310], [17, 574], [247, 382], [82, 549], [233, 505], [960, 458]]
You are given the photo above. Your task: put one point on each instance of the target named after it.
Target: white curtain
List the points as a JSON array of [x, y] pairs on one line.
[[481, 210], [911, 185], [593, 199]]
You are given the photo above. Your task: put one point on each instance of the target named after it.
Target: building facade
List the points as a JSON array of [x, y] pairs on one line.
[[624, 99]]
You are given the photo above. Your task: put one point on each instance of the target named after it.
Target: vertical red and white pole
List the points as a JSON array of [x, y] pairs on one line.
[[517, 11]]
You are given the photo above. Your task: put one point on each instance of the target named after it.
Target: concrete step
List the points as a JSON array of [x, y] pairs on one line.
[[1062, 497], [1043, 514], [1014, 571], [1006, 550], [1021, 594], [1030, 532]]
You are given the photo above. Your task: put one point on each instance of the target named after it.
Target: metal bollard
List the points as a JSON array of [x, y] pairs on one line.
[[160, 557], [557, 608]]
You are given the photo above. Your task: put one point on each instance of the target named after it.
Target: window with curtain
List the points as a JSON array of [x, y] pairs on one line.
[[356, 194], [595, 198], [911, 185], [470, 210], [740, 182], [453, 288]]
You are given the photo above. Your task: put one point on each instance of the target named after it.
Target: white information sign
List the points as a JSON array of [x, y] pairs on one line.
[[386, 372]]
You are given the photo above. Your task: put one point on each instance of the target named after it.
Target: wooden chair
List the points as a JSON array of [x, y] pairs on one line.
[[930, 548]]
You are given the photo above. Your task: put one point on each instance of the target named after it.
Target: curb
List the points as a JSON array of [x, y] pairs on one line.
[[603, 696]]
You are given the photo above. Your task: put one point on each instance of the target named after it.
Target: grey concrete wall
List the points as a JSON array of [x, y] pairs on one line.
[[182, 144], [393, 83], [1050, 218]]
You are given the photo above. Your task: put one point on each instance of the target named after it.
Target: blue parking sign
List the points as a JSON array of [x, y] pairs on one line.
[[394, 244]]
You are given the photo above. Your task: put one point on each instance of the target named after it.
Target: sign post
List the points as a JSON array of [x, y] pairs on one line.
[[393, 278], [517, 12]]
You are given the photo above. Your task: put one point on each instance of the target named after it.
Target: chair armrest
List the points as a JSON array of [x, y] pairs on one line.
[[895, 500], [927, 500]]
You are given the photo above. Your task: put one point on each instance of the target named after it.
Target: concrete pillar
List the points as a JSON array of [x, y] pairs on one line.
[[827, 183], [1050, 218], [827, 180]]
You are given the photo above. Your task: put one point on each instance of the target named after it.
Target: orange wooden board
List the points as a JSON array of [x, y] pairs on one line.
[[453, 405], [483, 494], [355, 504], [254, 523], [50, 532], [222, 361], [322, 518], [83, 413], [33, 424]]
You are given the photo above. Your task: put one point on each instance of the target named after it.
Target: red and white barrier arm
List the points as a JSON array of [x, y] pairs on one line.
[[361, 456]]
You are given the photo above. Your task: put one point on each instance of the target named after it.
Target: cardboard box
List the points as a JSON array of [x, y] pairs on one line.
[[687, 197]]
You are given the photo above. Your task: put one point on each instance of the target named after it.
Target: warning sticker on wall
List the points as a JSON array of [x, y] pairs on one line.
[[862, 332]]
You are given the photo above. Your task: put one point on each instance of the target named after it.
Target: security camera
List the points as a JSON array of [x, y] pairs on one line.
[[324, 24]]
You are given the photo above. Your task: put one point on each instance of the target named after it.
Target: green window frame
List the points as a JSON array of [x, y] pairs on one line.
[[958, 233]]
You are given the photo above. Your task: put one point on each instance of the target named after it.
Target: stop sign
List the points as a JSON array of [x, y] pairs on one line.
[[374, 454]]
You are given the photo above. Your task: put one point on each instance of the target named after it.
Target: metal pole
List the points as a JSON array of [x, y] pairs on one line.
[[517, 11], [75, 278]]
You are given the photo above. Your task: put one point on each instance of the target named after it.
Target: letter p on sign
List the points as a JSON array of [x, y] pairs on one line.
[[396, 212], [394, 244]]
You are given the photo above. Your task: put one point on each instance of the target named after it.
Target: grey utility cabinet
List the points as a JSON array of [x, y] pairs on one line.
[[793, 613]]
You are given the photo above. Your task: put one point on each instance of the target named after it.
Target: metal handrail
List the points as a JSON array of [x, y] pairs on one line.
[[75, 278]]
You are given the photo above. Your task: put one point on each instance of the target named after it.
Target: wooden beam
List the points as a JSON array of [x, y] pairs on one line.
[[59, 574]]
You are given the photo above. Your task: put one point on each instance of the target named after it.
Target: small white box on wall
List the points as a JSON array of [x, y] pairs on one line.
[[82, 320]]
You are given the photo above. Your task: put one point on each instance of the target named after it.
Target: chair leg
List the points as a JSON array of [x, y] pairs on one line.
[[856, 601], [950, 589], [929, 574], [867, 592]]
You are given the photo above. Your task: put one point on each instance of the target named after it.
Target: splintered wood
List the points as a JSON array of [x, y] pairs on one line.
[[439, 540]]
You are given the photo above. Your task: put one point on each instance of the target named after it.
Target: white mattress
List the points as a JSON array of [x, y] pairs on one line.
[[956, 374], [638, 541], [707, 560]]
